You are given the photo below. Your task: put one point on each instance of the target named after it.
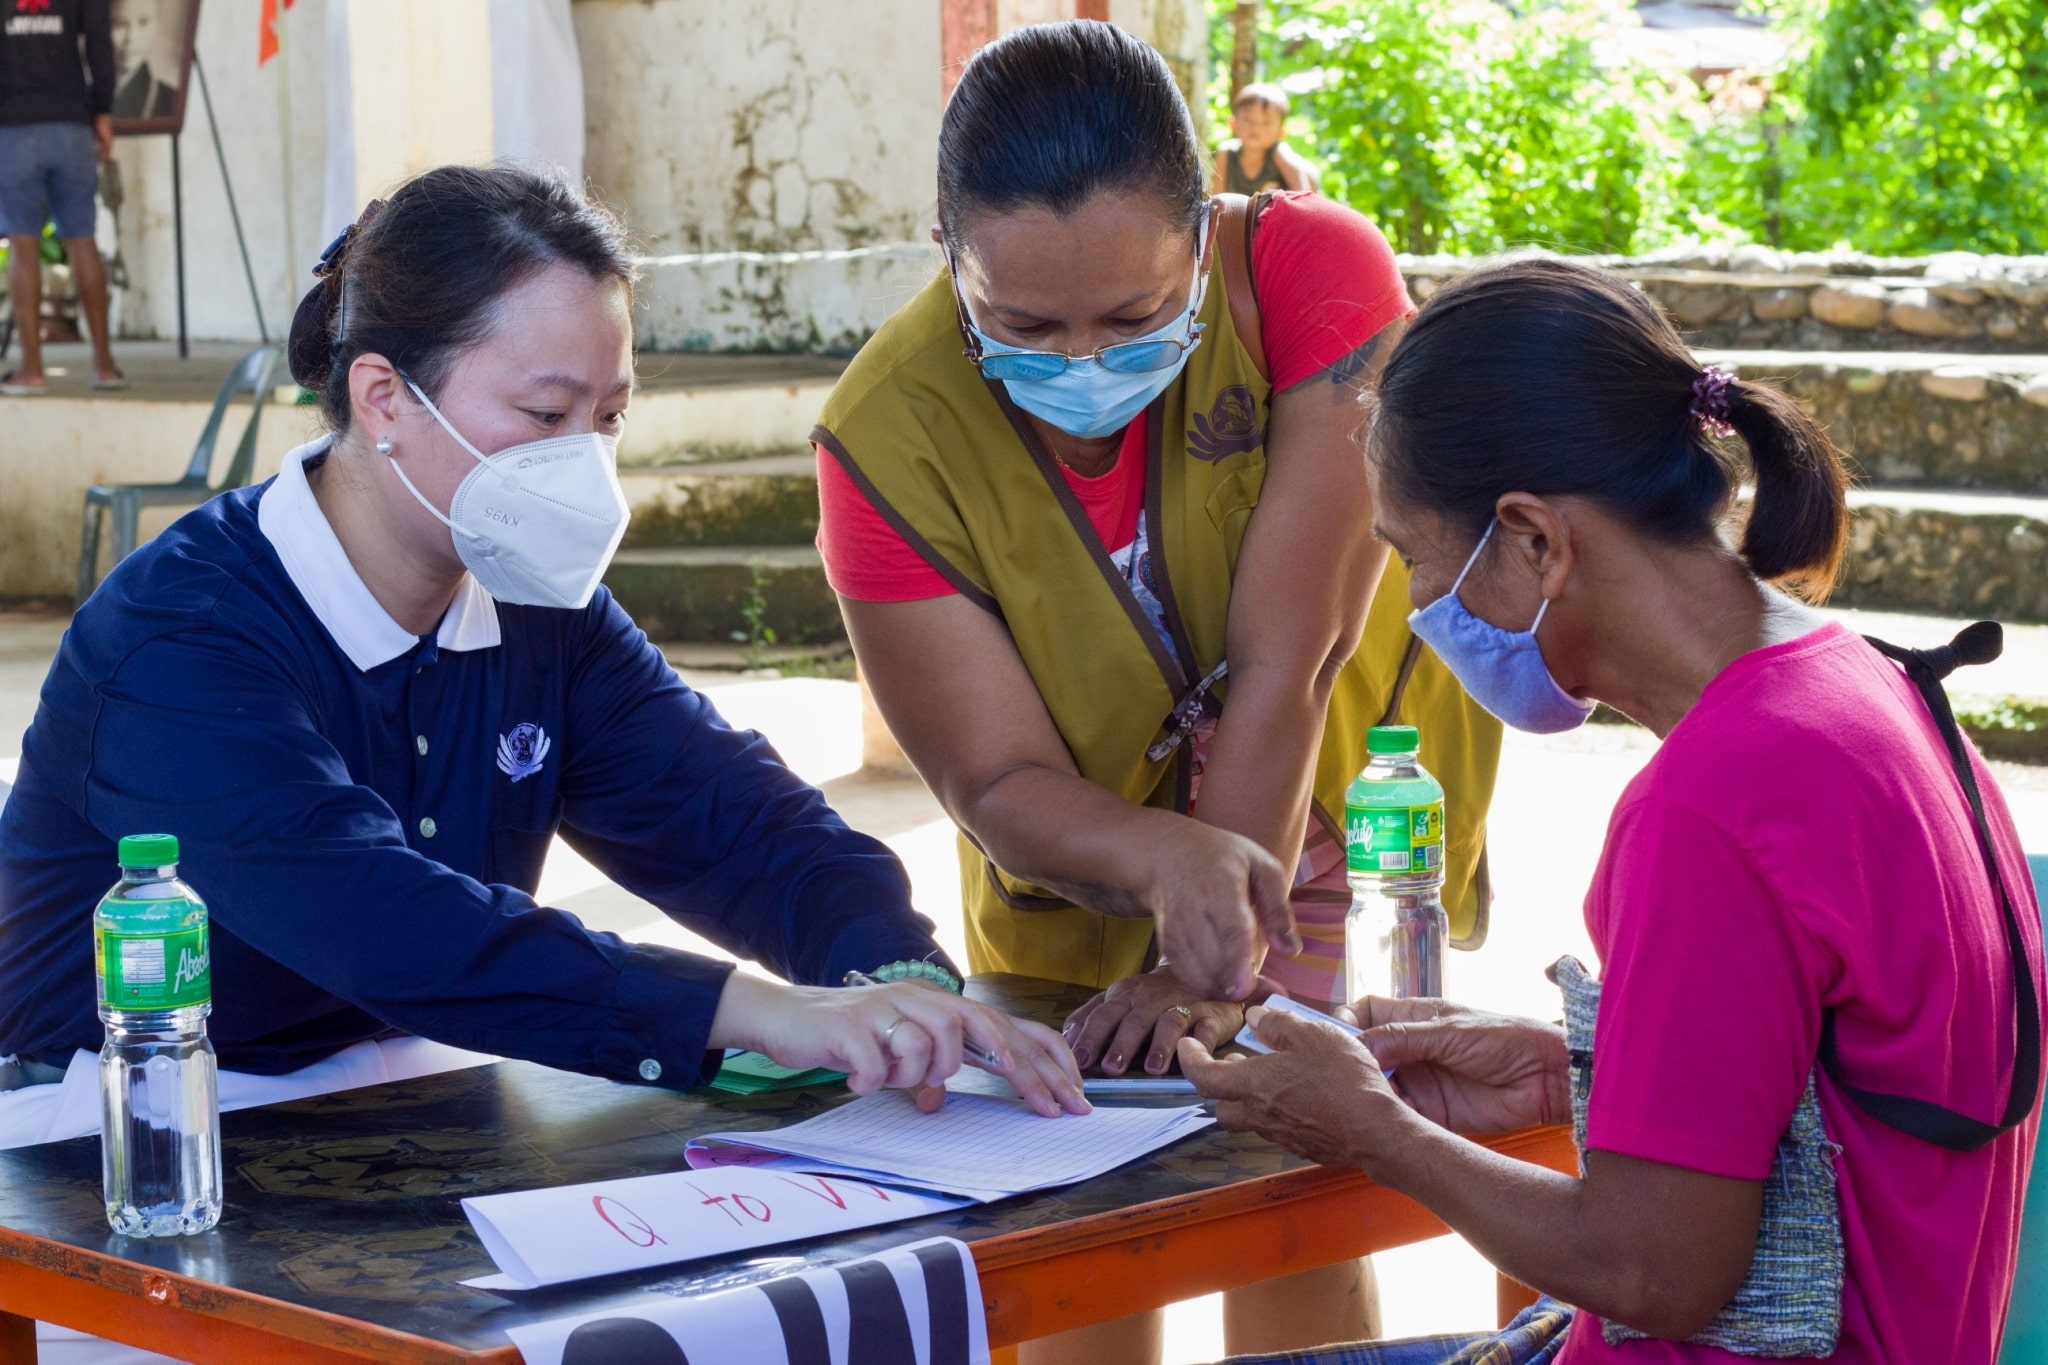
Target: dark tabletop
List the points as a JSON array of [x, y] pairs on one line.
[[349, 1203]]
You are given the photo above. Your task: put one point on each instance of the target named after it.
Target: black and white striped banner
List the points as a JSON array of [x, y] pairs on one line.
[[916, 1305]]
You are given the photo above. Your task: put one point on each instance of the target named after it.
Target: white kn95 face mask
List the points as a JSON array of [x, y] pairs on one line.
[[535, 524]]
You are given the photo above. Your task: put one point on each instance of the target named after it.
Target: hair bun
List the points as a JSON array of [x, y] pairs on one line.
[[310, 349]]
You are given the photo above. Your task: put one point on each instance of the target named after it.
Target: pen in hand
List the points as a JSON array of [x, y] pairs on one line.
[[979, 1055]]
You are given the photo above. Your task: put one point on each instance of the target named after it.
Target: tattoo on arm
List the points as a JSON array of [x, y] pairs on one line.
[[1345, 371]]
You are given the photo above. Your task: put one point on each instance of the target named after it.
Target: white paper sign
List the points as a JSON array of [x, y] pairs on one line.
[[913, 1305], [571, 1232]]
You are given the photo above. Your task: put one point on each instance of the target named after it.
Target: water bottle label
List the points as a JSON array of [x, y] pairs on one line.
[[1382, 839], [153, 971]]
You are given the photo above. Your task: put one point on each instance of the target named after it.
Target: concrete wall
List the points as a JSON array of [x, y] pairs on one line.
[[57, 447], [765, 126], [419, 88], [775, 125]]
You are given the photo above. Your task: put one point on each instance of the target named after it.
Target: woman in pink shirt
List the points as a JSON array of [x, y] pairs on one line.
[[1796, 921]]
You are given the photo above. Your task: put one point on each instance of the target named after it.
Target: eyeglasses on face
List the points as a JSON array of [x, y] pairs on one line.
[[1125, 357]]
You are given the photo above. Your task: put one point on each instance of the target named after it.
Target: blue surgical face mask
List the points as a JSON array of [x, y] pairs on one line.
[[1503, 670], [1087, 400]]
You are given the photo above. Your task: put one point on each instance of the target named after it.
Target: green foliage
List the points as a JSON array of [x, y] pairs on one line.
[[2009, 728], [1460, 126], [51, 250], [1895, 126], [759, 636]]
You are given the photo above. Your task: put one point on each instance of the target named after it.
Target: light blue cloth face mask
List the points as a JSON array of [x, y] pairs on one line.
[[1503, 670], [1087, 399]]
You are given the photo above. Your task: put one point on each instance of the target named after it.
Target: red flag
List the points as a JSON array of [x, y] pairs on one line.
[[266, 40]]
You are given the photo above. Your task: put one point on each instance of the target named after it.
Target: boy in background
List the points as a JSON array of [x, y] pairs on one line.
[[1258, 157]]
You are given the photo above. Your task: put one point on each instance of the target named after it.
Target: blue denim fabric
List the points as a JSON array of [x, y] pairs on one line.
[[1535, 1337], [48, 171]]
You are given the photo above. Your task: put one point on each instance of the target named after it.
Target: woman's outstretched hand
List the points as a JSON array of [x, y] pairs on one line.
[[1141, 1020], [1467, 1070], [907, 1035]]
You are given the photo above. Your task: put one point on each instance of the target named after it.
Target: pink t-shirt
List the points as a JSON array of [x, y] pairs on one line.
[[1800, 840]]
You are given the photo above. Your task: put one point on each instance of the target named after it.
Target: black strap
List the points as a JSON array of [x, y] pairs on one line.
[[1929, 1122]]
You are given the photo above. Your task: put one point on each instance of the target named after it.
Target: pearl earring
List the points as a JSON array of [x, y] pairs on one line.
[[384, 446]]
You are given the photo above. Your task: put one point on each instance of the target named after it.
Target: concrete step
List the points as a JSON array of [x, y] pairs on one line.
[[1917, 417], [1949, 553], [727, 594], [698, 408], [769, 500]]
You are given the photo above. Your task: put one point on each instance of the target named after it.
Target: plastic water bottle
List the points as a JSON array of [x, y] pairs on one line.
[[160, 1131], [1396, 933]]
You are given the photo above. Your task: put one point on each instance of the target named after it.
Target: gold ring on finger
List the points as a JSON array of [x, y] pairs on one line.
[[1185, 1012]]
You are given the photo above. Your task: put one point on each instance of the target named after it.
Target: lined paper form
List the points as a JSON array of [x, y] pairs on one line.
[[977, 1146]]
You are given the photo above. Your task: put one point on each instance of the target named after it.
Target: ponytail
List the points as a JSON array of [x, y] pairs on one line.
[[1550, 377], [1799, 520]]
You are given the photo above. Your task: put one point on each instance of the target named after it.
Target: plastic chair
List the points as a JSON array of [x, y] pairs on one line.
[[2026, 1324], [256, 374]]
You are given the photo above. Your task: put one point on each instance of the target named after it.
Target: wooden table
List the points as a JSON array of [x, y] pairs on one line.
[[344, 1238]]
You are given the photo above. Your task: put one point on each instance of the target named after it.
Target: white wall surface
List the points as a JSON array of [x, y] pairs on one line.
[[713, 125], [774, 125]]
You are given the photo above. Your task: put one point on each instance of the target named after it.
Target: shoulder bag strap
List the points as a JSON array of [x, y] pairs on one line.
[[1235, 223], [1930, 1122]]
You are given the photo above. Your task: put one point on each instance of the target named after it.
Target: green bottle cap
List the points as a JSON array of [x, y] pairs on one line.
[[149, 850], [1393, 739]]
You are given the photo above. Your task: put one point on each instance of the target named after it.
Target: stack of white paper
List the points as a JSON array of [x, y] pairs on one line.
[[876, 1160], [977, 1146]]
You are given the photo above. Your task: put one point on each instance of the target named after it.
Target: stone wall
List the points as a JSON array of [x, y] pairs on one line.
[[1951, 556], [1905, 422], [1748, 299], [1758, 299]]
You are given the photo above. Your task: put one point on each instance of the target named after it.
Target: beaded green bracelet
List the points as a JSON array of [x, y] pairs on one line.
[[928, 971]]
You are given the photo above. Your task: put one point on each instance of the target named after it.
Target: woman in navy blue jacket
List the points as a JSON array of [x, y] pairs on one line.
[[368, 693]]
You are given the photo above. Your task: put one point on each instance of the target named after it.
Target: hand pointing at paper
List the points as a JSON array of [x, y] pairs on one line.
[[906, 1035]]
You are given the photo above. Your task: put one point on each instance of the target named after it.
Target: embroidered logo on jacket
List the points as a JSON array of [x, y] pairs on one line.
[[1230, 427], [521, 753]]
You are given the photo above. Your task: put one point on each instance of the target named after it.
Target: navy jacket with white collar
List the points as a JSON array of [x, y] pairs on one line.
[[366, 814]]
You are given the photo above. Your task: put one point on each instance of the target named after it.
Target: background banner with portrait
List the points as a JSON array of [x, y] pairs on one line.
[[153, 46]]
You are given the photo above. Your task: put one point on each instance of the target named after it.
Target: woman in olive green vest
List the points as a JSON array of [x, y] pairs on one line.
[[1097, 514]]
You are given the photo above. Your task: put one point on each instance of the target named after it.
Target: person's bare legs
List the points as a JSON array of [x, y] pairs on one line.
[[89, 271], [1139, 1339], [1338, 1302], [25, 294]]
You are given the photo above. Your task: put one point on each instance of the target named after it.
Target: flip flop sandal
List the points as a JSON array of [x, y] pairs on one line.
[[114, 385], [10, 389]]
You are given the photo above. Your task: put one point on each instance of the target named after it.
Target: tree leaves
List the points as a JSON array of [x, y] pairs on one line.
[[1896, 126]]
